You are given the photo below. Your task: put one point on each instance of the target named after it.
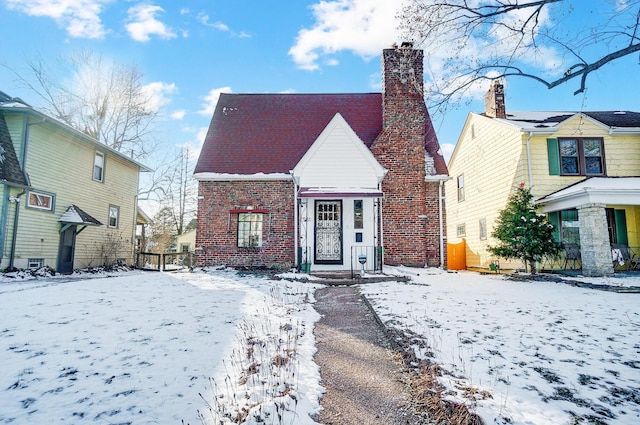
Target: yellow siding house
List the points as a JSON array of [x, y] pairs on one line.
[[66, 200], [583, 169]]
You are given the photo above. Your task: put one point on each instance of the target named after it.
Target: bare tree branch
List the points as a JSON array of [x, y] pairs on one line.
[[467, 42]]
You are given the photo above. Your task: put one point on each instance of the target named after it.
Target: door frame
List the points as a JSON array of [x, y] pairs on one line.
[[66, 267], [340, 232]]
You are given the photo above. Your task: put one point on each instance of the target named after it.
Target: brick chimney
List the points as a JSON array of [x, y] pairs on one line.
[[400, 149], [494, 101]]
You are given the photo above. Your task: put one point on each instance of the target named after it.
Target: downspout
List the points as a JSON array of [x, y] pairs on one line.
[[380, 220], [25, 141], [441, 222], [15, 227], [296, 261], [529, 162]]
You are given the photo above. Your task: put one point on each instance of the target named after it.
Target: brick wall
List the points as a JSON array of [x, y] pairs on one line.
[[217, 232], [410, 213]]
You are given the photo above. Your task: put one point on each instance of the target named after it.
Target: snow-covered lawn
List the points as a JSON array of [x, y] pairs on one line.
[[205, 347], [539, 352], [140, 347]]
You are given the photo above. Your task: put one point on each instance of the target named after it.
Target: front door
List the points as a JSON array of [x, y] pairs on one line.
[[66, 250], [328, 238]]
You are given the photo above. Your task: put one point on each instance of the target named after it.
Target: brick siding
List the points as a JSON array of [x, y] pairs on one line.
[[410, 213], [217, 232]]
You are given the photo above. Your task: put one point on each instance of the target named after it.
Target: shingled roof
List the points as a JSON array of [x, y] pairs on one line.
[[551, 119], [269, 133], [10, 171]]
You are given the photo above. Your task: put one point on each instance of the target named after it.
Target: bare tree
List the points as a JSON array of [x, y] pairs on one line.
[[104, 100], [549, 41], [175, 190]]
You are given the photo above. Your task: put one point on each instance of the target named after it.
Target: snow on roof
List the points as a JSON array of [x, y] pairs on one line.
[[542, 121], [605, 190], [75, 215]]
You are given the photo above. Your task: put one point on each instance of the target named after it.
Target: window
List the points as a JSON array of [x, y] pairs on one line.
[[114, 215], [35, 263], [357, 214], [184, 247], [461, 188], [461, 230], [581, 157], [249, 230], [98, 167], [40, 201], [483, 229], [569, 227]]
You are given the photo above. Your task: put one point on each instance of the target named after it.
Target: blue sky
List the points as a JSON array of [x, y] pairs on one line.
[[190, 51]]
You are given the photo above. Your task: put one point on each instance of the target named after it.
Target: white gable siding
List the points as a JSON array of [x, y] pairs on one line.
[[338, 159]]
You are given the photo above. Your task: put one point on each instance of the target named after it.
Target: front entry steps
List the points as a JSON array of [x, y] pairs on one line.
[[336, 278]]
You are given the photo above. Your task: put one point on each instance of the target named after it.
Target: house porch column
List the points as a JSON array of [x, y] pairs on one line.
[[594, 240]]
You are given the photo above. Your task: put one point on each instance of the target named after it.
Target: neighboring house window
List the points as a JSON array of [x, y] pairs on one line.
[[581, 156], [357, 214], [249, 230], [98, 167], [483, 229], [35, 263], [461, 230], [566, 226], [114, 216], [40, 201], [184, 247], [461, 188]]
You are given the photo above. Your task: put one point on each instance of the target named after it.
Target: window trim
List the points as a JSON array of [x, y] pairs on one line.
[[258, 232], [580, 156], [358, 214], [98, 154], [460, 185], [483, 229], [117, 209], [51, 196]]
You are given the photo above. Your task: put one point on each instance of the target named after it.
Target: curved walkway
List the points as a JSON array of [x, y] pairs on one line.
[[365, 380]]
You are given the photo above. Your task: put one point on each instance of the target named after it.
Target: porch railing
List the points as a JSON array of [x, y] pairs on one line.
[[372, 259], [623, 258]]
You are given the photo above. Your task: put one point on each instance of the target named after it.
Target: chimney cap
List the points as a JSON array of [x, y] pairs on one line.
[[407, 45]]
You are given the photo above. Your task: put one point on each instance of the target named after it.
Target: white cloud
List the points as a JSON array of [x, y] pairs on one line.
[[81, 18], [364, 27], [447, 150], [157, 94], [221, 26], [178, 114], [211, 100], [204, 20], [143, 23]]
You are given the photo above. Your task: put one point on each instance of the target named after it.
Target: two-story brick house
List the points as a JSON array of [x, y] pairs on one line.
[[66, 200], [321, 179], [583, 169]]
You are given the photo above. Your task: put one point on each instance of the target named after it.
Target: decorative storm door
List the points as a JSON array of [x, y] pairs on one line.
[[328, 232]]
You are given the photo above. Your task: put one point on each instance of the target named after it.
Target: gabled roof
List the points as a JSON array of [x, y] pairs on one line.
[[10, 171], [15, 104], [75, 215], [543, 121], [269, 133]]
